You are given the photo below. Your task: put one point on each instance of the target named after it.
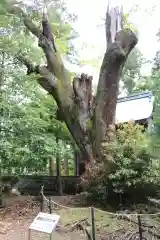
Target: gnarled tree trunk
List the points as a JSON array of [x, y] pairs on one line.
[[88, 119]]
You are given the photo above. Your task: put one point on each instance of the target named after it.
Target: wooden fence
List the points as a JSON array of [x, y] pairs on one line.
[[31, 185]]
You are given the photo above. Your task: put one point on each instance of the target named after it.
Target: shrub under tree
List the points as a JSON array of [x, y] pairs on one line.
[[126, 173]]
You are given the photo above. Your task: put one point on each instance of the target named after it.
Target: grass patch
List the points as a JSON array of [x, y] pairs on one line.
[[103, 220]]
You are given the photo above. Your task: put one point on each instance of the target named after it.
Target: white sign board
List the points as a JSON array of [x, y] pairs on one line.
[[45, 222]]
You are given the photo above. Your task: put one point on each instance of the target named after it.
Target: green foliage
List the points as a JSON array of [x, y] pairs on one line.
[[132, 71], [152, 83], [28, 127], [16, 38], [126, 169], [127, 24]]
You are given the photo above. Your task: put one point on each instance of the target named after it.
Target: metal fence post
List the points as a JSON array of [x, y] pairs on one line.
[[50, 211], [140, 228], [50, 206], [29, 234], [93, 223], [41, 200]]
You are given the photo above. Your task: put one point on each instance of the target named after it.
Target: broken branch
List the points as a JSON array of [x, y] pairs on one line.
[[31, 68], [78, 224], [148, 227], [47, 79], [46, 42], [119, 45], [114, 23], [47, 31], [83, 92]]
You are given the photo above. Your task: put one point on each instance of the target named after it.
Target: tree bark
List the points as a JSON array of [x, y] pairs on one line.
[[76, 163], [108, 86], [88, 119], [58, 171], [66, 169], [51, 166]]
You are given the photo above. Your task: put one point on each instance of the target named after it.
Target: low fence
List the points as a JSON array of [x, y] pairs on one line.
[[140, 226], [30, 185]]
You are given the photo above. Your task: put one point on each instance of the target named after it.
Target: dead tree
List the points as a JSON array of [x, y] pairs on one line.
[[87, 120]]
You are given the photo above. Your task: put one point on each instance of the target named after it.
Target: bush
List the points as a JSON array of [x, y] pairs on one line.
[[126, 173]]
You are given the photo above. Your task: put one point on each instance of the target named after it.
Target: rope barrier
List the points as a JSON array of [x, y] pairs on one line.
[[99, 210], [56, 203]]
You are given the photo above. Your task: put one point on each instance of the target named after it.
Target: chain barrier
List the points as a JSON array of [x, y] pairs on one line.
[[97, 209]]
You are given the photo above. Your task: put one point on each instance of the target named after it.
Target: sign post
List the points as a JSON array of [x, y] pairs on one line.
[[29, 234], [45, 223]]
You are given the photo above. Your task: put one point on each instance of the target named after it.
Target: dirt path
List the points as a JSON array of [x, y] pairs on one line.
[[17, 217], [20, 232]]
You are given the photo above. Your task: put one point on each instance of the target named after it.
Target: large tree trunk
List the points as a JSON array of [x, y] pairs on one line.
[[88, 120]]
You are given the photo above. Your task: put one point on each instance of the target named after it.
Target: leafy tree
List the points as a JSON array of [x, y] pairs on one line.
[[28, 133], [88, 123], [132, 71], [28, 124], [156, 60], [151, 83], [156, 63]]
